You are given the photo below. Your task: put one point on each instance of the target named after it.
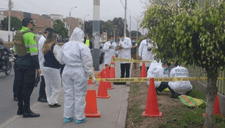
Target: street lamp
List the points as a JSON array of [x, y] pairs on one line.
[[84, 21], [137, 27], [130, 22], [70, 18]]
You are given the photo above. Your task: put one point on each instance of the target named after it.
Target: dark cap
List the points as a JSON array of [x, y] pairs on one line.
[[48, 29], [121, 34], [26, 21], [111, 35], [166, 62]]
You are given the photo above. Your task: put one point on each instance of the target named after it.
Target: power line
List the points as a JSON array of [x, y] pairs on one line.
[[122, 3], [31, 3], [22, 7]]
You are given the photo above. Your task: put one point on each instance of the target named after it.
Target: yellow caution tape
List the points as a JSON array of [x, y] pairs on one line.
[[162, 79], [130, 60]]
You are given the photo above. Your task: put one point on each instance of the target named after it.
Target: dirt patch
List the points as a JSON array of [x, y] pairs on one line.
[[137, 103]]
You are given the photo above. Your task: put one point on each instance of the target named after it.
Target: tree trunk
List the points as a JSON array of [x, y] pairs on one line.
[[211, 92]]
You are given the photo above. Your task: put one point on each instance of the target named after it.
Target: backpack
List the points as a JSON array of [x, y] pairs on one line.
[[18, 42]]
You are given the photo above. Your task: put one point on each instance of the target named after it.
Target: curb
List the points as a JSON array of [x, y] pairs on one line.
[[14, 118]]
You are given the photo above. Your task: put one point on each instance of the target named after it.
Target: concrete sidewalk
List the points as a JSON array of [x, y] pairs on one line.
[[113, 112]]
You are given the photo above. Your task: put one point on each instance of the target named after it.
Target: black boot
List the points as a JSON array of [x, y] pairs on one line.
[[20, 112], [30, 114], [15, 99]]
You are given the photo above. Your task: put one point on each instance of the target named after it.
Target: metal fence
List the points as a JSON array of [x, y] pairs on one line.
[[195, 71]]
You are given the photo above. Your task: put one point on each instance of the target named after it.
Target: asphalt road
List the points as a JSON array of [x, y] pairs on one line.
[[8, 107]]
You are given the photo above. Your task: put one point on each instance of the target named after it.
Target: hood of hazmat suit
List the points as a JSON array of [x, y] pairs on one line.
[[78, 65]]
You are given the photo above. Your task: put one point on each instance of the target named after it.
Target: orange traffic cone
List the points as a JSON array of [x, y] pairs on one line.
[[109, 84], [102, 89], [90, 82], [216, 108], [112, 61], [152, 109], [143, 70], [91, 104]]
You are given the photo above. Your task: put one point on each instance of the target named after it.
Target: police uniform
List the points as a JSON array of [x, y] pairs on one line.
[[27, 65]]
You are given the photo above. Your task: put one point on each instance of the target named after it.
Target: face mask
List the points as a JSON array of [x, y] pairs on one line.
[[112, 41], [166, 69]]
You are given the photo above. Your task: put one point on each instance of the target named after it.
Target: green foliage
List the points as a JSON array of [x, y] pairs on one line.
[[116, 25], [192, 35], [197, 94], [190, 118], [15, 23], [135, 116], [59, 27]]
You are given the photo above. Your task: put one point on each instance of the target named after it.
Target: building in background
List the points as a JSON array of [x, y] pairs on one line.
[[71, 23]]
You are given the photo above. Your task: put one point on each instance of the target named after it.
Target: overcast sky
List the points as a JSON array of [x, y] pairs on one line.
[[108, 8]]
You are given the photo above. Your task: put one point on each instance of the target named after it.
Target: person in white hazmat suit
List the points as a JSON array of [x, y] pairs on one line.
[[109, 49], [78, 66], [145, 52], [180, 87], [158, 70]]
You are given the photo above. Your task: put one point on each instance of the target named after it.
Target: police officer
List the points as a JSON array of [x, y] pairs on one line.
[[27, 66], [179, 87], [15, 81]]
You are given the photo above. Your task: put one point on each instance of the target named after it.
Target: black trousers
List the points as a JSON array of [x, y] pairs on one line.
[[125, 68], [26, 80], [42, 93], [146, 69], [15, 81], [162, 86]]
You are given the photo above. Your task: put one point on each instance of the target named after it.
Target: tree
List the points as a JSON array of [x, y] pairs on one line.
[[15, 23], [109, 26], [59, 27], [192, 35]]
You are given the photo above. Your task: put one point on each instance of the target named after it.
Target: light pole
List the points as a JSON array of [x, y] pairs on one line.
[[130, 22], [9, 19], [70, 19], [125, 18], [137, 27], [84, 21]]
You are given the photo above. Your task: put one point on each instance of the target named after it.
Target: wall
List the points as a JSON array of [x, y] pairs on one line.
[[199, 86]]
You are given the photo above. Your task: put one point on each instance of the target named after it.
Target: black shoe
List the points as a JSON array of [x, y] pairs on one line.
[[54, 105], [44, 100], [30, 114], [157, 91], [19, 112], [173, 95], [15, 99]]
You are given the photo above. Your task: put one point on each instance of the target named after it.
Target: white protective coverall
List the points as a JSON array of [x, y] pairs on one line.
[[144, 53], [180, 87], [52, 80], [125, 53], [41, 58], [109, 51], [78, 65], [155, 70]]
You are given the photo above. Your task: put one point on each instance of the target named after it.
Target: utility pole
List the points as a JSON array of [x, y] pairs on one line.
[[9, 19], [70, 20], [96, 34], [125, 19]]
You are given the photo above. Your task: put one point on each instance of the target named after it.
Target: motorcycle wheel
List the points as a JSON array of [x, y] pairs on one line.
[[9, 69]]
